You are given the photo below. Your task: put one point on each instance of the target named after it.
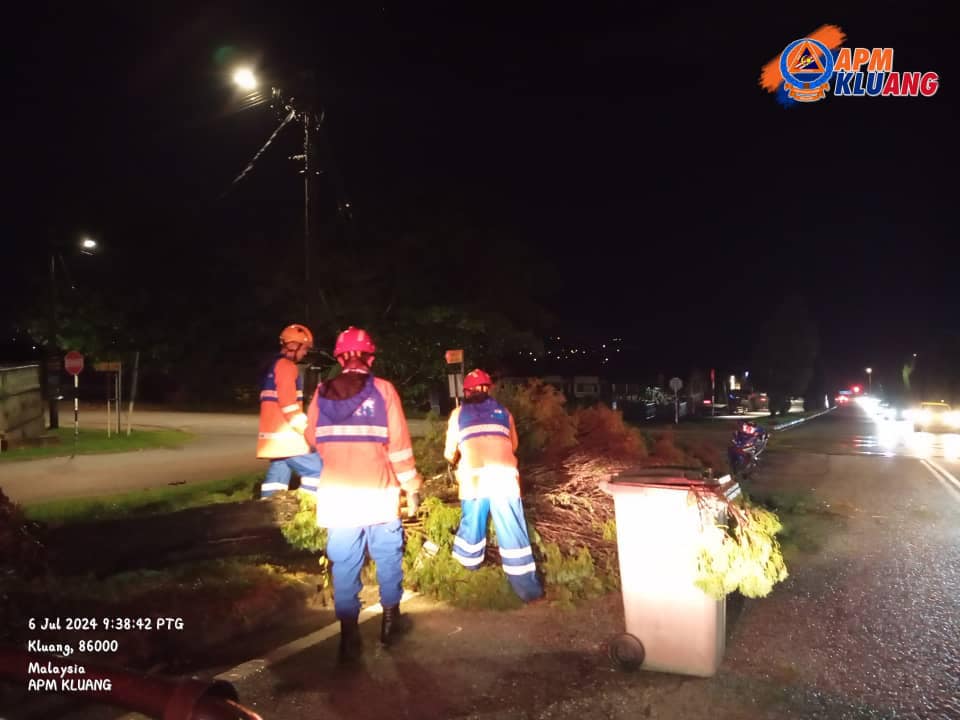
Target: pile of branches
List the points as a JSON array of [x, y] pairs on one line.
[[569, 509]]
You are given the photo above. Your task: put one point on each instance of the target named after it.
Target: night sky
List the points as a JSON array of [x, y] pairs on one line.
[[633, 151]]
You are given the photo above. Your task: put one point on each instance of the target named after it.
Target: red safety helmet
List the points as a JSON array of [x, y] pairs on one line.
[[296, 334], [354, 340], [476, 378]]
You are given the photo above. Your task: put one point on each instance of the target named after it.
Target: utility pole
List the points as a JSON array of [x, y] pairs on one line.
[[306, 215], [53, 360], [287, 105]]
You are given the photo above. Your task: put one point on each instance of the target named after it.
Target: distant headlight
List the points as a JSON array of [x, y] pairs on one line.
[[909, 414]]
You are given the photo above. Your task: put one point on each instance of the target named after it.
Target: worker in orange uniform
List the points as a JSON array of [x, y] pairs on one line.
[[282, 420], [360, 431], [481, 444]]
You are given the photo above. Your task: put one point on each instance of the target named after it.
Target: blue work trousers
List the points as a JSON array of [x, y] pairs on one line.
[[308, 467], [347, 549], [516, 555]]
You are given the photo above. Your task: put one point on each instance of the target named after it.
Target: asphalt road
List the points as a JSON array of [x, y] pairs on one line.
[[225, 446], [866, 626]]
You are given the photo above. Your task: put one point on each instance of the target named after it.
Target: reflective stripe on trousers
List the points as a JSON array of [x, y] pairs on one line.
[[516, 555]]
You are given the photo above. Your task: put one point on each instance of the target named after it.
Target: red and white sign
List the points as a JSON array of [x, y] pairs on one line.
[[73, 362], [454, 356]]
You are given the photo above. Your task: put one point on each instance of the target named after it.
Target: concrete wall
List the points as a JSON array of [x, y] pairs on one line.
[[21, 403]]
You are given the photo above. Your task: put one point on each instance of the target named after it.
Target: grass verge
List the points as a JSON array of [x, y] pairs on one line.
[[152, 501], [96, 442]]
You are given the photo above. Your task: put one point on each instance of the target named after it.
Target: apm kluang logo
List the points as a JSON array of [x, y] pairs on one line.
[[806, 69]]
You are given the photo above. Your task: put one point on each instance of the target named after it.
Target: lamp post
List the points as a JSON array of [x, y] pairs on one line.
[[870, 380], [245, 79]]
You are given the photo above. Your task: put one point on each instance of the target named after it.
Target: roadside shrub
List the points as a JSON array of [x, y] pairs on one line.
[[665, 451], [602, 431], [544, 427], [709, 454]]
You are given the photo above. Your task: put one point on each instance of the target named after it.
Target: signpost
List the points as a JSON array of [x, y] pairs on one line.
[[455, 379], [675, 385], [73, 364], [112, 367]]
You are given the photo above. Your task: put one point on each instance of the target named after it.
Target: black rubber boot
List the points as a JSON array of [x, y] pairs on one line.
[[351, 645], [393, 625]]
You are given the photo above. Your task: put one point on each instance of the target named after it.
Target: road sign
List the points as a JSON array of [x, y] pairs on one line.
[[454, 356], [675, 384], [73, 362], [107, 366], [456, 385]]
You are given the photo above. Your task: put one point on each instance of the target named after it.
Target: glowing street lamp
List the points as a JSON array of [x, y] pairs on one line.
[[245, 79], [870, 380], [88, 246]]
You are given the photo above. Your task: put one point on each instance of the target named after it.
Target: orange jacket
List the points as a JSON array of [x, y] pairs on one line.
[[282, 420], [367, 454], [482, 442]]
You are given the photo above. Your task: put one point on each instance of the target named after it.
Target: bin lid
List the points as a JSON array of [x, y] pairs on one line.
[[673, 477], [666, 475]]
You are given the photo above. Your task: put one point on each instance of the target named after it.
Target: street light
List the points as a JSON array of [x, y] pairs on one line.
[[245, 79], [870, 380]]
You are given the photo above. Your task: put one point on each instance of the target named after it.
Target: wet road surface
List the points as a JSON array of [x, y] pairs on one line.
[[867, 625]]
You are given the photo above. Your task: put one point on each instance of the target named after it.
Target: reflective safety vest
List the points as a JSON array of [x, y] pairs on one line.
[[484, 437], [282, 420], [367, 455]]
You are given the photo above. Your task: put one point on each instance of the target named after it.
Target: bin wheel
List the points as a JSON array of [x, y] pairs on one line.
[[626, 651]]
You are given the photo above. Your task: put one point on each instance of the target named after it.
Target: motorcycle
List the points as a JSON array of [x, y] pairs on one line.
[[747, 444]]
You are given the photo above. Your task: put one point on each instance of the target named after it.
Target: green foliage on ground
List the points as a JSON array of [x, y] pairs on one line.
[[151, 501], [96, 442], [301, 531], [743, 554], [431, 569], [569, 577], [437, 574]]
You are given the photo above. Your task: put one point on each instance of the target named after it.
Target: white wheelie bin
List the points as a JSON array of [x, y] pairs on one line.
[[671, 625]]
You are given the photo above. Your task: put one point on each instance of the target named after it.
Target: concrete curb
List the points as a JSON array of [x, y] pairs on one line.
[[794, 423]]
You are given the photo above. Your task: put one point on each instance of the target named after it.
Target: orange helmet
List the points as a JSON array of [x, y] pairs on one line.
[[476, 378], [354, 340], [296, 334]]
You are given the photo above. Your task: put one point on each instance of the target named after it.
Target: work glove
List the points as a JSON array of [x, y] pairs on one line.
[[413, 503]]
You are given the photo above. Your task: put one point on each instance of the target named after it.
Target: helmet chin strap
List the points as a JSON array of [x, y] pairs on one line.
[[287, 352]]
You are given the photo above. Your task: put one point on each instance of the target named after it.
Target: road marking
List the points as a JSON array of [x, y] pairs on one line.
[[946, 479], [277, 655], [946, 473]]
